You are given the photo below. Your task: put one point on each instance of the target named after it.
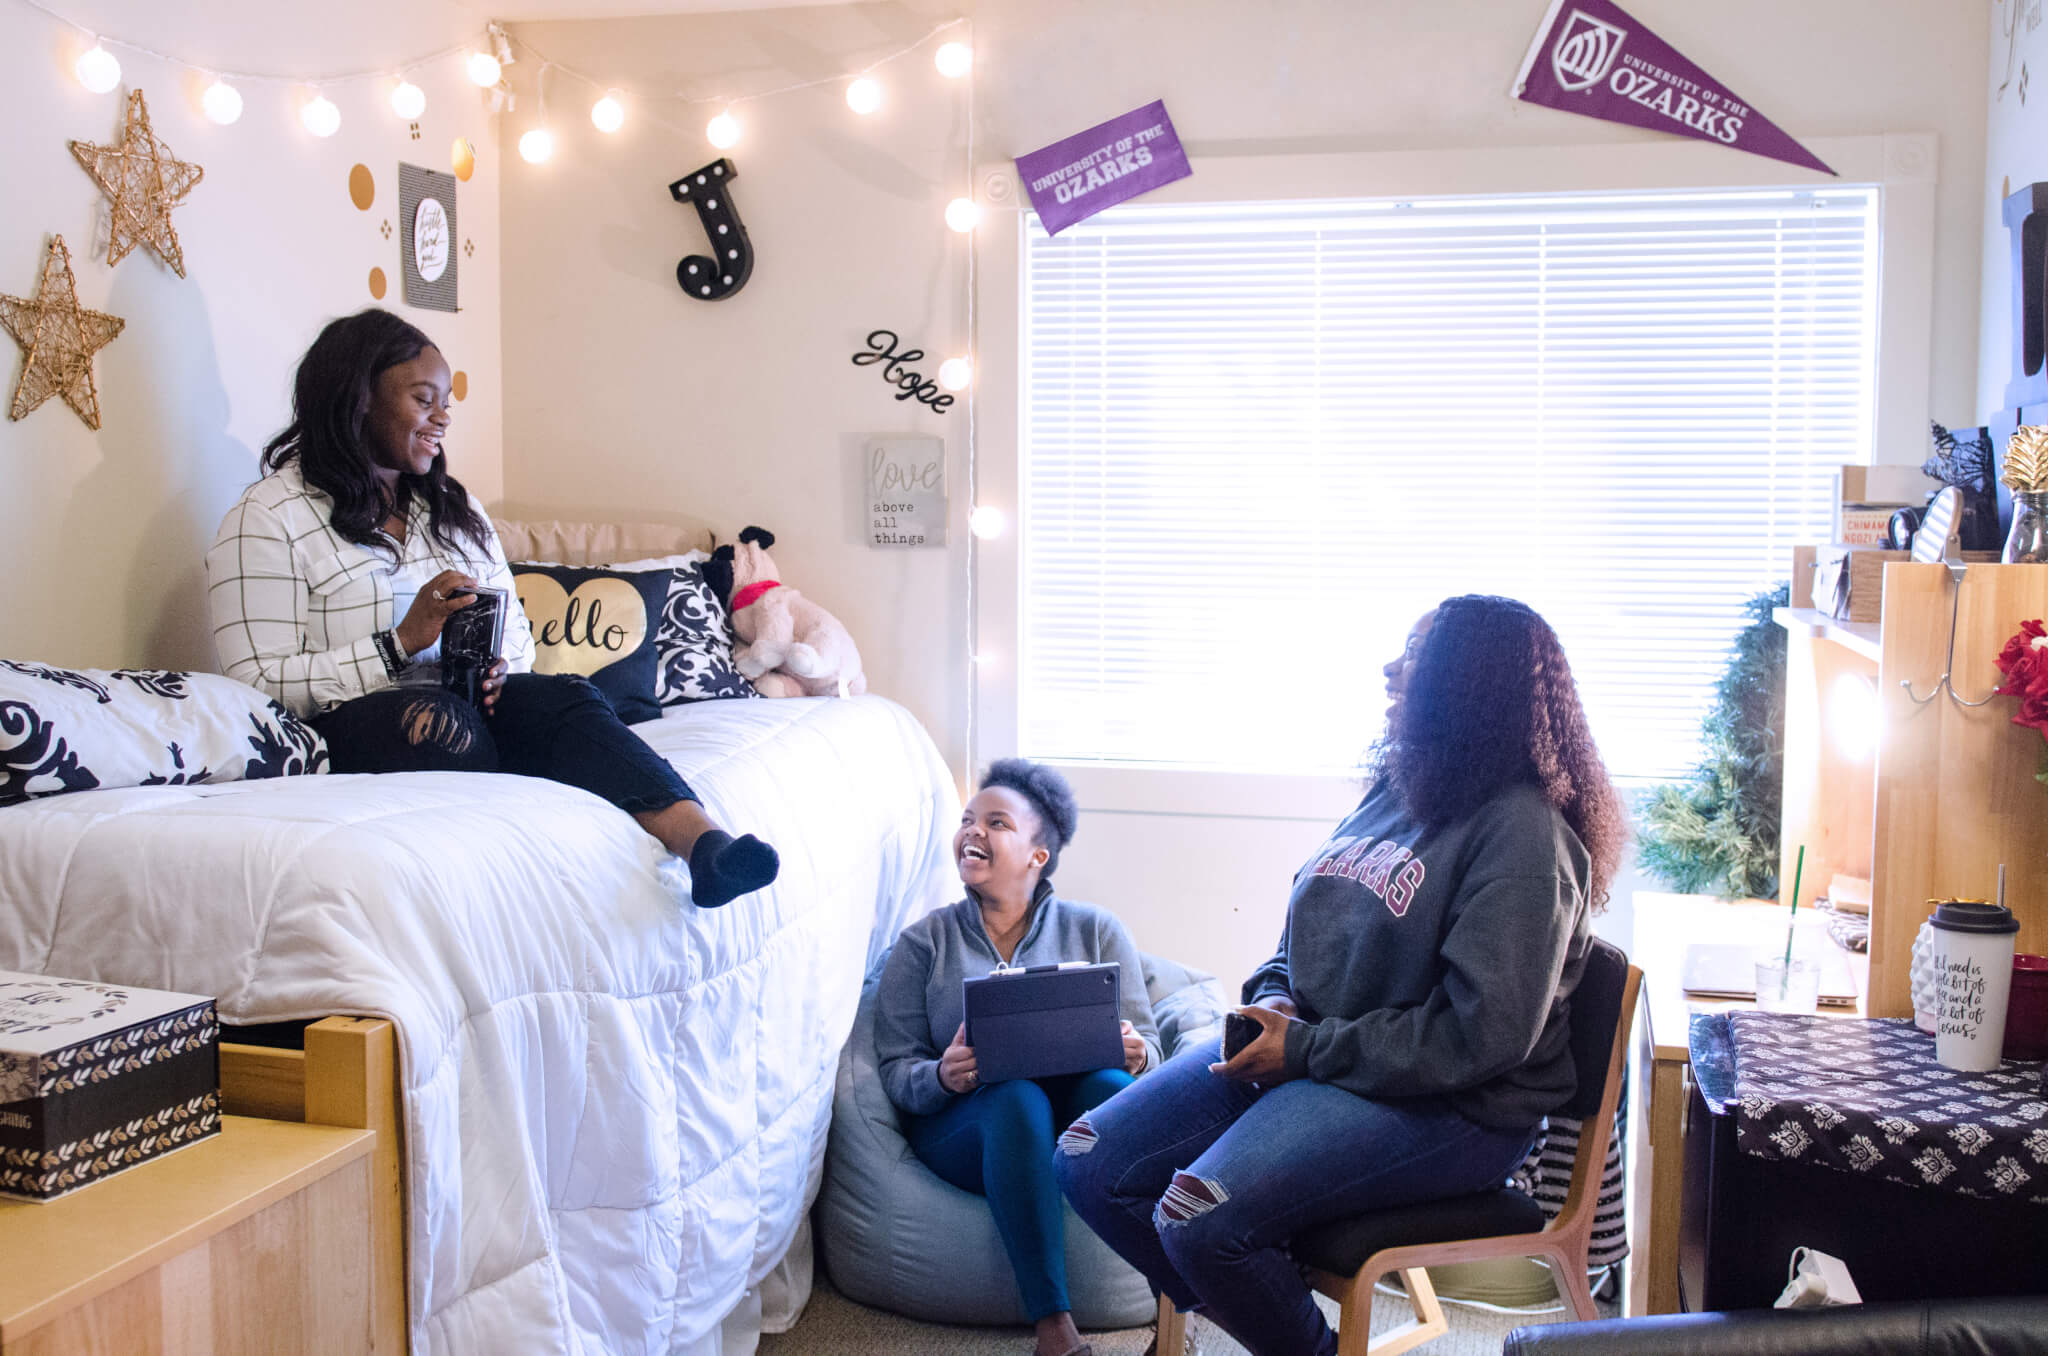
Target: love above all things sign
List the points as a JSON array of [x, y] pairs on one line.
[[903, 490]]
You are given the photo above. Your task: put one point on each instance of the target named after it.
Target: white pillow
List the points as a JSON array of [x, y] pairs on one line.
[[76, 729]]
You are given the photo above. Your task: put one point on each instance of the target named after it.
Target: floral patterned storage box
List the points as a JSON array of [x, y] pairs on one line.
[[99, 1077]]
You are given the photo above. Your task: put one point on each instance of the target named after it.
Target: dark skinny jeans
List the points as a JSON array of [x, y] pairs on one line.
[[997, 1142], [557, 726]]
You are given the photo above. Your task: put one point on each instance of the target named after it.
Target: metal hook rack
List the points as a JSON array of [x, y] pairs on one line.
[[1943, 524]]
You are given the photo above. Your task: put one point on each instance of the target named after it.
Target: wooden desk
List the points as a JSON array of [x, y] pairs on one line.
[[1661, 1075], [256, 1240]]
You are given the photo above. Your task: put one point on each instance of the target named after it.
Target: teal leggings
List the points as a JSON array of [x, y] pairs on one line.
[[997, 1142]]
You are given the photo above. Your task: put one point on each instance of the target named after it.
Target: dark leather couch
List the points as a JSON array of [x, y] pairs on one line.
[[1987, 1327]]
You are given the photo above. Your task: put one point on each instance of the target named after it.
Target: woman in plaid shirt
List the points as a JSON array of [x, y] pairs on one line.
[[356, 518]]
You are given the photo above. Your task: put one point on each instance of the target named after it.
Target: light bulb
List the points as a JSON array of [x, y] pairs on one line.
[[955, 373], [987, 522], [320, 116], [97, 70], [963, 214], [536, 145], [408, 101], [483, 69], [608, 114], [723, 131], [222, 102], [954, 59], [864, 95]]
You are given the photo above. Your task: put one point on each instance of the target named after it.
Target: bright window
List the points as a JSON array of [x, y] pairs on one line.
[[1260, 439]]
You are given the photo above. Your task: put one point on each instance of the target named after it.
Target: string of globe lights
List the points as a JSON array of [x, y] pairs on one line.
[[484, 60]]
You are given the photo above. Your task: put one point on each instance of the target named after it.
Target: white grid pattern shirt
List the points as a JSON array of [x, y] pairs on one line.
[[296, 608]]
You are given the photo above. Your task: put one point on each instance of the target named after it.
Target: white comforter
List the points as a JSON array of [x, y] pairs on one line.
[[615, 1102]]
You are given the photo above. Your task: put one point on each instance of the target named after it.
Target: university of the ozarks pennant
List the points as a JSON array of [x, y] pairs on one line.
[[1592, 57]]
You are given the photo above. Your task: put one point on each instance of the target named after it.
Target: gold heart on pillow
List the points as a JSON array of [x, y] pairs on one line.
[[602, 622]]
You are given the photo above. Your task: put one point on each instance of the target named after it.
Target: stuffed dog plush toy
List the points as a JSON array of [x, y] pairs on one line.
[[789, 646]]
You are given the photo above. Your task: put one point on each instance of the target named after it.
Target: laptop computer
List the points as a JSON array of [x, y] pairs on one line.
[[1727, 970], [1045, 1020]]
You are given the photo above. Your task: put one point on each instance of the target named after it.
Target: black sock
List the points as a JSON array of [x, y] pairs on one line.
[[722, 867]]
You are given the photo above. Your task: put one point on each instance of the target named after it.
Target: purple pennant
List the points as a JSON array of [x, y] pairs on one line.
[[1073, 179], [1592, 57]]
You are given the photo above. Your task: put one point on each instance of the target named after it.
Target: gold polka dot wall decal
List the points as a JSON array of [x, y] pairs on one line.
[[362, 187], [2005, 188], [459, 384], [463, 157], [377, 284]]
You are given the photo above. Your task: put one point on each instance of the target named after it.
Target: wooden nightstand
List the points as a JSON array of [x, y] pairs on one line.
[[256, 1240]]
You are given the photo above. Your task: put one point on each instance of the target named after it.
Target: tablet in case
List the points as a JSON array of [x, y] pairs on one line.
[[1045, 1020]]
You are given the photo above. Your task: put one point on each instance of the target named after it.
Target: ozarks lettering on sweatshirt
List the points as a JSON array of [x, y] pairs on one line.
[[1439, 961], [919, 1004]]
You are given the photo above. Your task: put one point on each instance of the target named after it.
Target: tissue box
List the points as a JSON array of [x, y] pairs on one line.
[[95, 1078]]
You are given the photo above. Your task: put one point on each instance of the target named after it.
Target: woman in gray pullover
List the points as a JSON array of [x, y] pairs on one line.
[[997, 1141], [1413, 1025]]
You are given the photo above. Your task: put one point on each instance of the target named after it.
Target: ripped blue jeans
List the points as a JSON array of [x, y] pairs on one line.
[[1199, 1182]]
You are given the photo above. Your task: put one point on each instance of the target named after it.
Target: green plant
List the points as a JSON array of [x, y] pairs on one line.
[[1717, 832]]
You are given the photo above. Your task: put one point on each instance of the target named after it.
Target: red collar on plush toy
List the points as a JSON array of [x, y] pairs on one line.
[[752, 593]]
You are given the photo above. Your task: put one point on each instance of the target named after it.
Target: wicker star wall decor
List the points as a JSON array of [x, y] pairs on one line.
[[58, 338], [143, 181]]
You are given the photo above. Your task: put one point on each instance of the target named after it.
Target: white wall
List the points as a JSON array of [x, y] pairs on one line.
[[102, 534], [2015, 155], [623, 398]]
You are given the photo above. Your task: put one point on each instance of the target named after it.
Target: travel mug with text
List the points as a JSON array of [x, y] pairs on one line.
[[1973, 946]]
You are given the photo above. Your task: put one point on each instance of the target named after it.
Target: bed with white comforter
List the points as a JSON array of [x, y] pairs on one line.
[[615, 1103]]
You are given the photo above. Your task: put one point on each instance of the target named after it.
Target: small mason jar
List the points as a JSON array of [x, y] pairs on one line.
[[2027, 543]]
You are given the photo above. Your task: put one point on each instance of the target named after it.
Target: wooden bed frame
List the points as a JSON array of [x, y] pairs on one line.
[[347, 1075]]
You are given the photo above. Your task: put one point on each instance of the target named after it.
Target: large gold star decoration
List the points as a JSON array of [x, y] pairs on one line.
[[143, 181], [58, 338]]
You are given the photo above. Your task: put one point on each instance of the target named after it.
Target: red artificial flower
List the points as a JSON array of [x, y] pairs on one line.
[[2024, 662]]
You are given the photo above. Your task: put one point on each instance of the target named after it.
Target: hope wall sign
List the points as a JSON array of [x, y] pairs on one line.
[[1072, 180]]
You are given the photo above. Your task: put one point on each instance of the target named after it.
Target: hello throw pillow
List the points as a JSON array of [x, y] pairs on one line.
[[599, 623], [77, 729]]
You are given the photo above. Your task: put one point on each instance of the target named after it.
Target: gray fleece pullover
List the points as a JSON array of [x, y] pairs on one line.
[[1439, 961], [919, 1005]]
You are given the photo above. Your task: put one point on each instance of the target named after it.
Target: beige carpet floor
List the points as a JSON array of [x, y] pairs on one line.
[[833, 1325]]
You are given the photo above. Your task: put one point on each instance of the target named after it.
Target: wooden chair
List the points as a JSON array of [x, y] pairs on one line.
[[1346, 1259]]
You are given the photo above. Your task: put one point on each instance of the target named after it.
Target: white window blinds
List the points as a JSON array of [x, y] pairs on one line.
[[1260, 439]]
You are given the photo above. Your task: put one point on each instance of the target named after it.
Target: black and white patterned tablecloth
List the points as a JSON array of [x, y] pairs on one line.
[[1868, 1097]]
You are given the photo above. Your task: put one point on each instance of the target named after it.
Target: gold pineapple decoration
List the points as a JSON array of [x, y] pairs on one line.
[[2026, 460]]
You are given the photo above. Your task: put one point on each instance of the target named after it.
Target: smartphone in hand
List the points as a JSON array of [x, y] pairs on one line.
[[1238, 1032]]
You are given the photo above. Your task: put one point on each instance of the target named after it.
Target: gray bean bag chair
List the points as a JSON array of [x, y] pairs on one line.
[[896, 1237]]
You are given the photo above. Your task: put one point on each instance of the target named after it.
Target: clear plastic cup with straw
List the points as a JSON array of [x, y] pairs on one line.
[[1788, 982]]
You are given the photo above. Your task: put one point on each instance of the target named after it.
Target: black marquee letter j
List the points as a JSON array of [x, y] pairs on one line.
[[731, 262]]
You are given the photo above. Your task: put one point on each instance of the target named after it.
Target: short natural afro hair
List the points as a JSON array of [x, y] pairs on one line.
[[1049, 795]]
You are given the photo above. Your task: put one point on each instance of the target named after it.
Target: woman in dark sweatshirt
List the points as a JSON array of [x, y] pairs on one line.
[[997, 1141], [1413, 1023]]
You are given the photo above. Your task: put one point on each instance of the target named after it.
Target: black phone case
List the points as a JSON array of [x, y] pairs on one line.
[[1238, 1032], [470, 643]]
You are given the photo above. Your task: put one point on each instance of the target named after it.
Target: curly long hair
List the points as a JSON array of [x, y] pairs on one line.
[[1490, 702], [331, 396]]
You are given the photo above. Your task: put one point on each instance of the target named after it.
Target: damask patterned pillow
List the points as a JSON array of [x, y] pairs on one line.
[[77, 729], [695, 643]]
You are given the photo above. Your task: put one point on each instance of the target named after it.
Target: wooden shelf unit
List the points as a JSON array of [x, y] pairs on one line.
[[256, 1240], [1949, 791]]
